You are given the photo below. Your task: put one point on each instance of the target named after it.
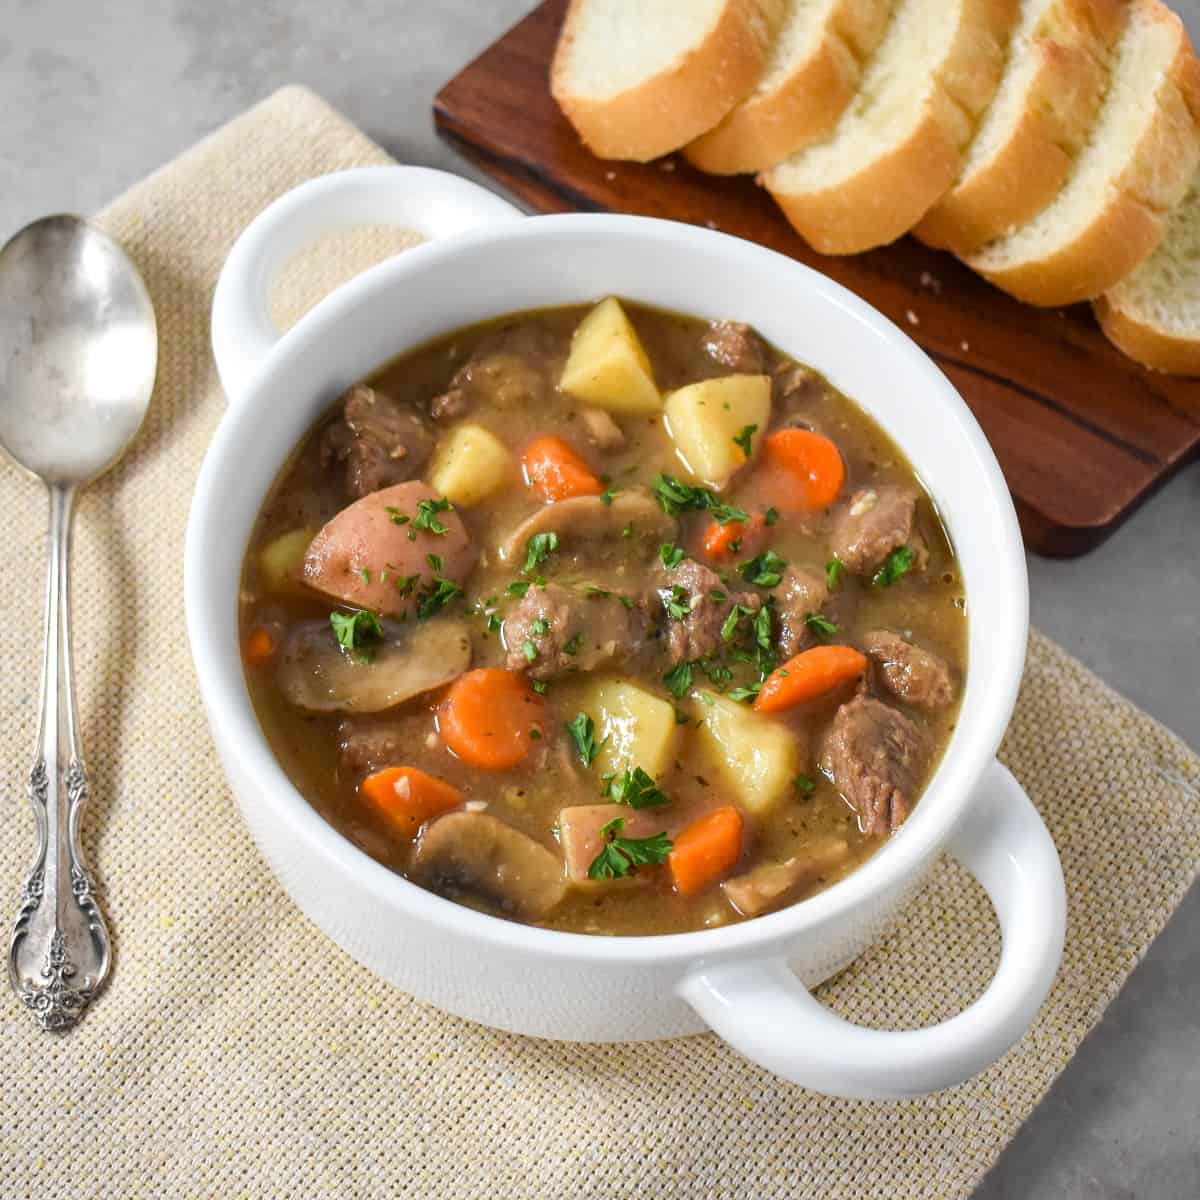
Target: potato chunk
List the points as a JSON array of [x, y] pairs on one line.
[[640, 727], [470, 463], [756, 758], [281, 561], [608, 366], [704, 418]]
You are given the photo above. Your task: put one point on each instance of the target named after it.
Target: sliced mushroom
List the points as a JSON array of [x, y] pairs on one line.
[[589, 519], [769, 885], [318, 674], [477, 853]]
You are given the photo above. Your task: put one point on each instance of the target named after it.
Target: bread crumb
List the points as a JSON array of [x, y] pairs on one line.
[[912, 317]]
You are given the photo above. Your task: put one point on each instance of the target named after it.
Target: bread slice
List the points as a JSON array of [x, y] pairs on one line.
[[811, 76], [900, 144], [1053, 85], [1139, 159], [1153, 315], [640, 78]]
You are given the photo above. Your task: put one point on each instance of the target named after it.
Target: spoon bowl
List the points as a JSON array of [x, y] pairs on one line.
[[78, 355], [78, 350]]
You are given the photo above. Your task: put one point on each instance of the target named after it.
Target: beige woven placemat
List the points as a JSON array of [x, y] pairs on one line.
[[237, 1052]]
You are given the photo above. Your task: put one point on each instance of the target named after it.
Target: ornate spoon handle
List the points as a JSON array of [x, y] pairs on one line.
[[59, 954]]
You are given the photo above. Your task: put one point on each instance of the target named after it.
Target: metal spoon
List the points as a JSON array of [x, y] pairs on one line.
[[78, 352]]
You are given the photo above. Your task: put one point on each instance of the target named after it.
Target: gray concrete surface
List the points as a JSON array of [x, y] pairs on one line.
[[93, 96]]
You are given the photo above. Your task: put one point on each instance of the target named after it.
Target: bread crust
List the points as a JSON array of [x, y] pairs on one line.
[[892, 192], [1145, 343], [672, 108], [805, 106], [1131, 224], [1025, 175]]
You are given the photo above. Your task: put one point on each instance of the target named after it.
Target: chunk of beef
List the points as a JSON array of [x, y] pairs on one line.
[[569, 630], [916, 676], [602, 430], [793, 383], [368, 746], [510, 368], [450, 404], [735, 345], [801, 592], [381, 441], [877, 758], [708, 601], [877, 521], [771, 884]]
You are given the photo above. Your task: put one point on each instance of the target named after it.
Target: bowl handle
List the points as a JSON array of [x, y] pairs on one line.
[[763, 1010], [433, 203]]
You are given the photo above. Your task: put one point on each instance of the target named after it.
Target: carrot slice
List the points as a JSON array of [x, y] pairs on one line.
[[706, 850], [808, 465], [491, 717], [259, 647], [408, 797], [810, 674], [555, 471], [749, 535]]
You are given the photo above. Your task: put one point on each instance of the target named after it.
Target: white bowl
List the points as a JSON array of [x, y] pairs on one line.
[[749, 981]]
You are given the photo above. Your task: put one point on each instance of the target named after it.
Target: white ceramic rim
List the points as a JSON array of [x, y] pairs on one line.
[[948, 793]]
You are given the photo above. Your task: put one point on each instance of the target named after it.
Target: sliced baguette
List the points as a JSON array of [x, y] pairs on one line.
[[1153, 315], [1053, 84], [810, 78], [900, 144], [1139, 159], [640, 78]]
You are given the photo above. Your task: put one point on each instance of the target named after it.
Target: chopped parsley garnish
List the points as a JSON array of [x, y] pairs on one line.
[[679, 679], [356, 631], [539, 627], [397, 517], [762, 629], [493, 623], [427, 516], [404, 584], [434, 561], [637, 789], [671, 554], [529, 650], [744, 439], [366, 574], [676, 600], [729, 628], [675, 497], [898, 563], [538, 549], [606, 496], [742, 694], [518, 588], [627, 532], [437, 597], [582, 730], [771, 515], [621, 855], [821, 626], [718, 674], [571, 646], [718, 596], [833, 572], [539, 686], [804, 784], [763, 570]]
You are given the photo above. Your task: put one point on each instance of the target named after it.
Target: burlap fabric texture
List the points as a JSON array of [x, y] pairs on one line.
[[238, 1053]]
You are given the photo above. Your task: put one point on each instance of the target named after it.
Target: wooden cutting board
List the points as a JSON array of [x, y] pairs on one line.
[[1083, 434]]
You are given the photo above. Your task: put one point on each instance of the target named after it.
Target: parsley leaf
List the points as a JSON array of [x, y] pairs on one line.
[[898, 563], [637, 789], [397, 517], [539, 686], [356, 631], [529, 650], [771, 515], [833, 572], [582, 730], [742, 694], [518, 587], [404, 584], [679, 679], [427, 519], [538, 549], [805, 784], [493, 623], [729, 628], [762, 629], [571, 646], [606, 496], [671, 554], [743, 439], [763, 570], [676, 601], [821, 626], [539, 627], [437, 597], [621, 855], [675, 497]]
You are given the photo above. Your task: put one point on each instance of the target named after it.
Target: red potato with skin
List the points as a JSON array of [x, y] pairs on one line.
[[579, 832], [361, 554]]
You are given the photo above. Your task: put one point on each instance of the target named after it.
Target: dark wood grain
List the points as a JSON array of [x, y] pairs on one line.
[[1083, 434]]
